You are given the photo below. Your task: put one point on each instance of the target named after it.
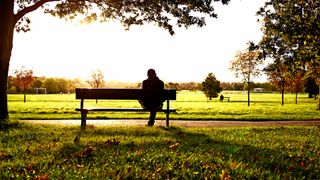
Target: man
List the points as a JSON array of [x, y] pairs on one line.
[[155, 103]]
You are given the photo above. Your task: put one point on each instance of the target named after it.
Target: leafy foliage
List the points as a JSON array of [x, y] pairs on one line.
[[311, 87], [211, 86], [24, 78], [291, 33], [246, 65], [163, 13]]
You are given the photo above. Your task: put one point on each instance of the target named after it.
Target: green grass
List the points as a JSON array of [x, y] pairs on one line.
[[189, 105], [33, 151]]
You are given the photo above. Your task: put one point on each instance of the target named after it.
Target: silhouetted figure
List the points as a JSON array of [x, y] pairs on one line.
[[221, 97], [152, 104]]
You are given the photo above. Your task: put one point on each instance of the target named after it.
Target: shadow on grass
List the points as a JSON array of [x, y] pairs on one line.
[[7, 125], [163, 152], [179, 152]]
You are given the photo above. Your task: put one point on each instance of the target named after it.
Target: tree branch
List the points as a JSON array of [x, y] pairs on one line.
[[31, 8]]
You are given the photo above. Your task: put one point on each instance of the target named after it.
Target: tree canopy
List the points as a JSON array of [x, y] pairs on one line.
[[166, 14], [211, 86], [291, 34], [246, 65]]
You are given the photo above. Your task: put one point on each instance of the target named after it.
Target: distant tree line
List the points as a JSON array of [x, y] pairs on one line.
[[64, 85], [52, 85]]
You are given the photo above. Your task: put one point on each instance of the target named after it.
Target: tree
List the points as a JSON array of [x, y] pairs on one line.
[[96, 78], [279, 76], [296, 83], [172, 85], [191, 86], [62, 85], [311, 87], [129, 12], [37, 83], [246, 64], [24, 80], [291, 31], [211, 86], [51, 85]]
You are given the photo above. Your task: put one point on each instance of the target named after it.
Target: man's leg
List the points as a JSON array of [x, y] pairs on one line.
[[152, 118]]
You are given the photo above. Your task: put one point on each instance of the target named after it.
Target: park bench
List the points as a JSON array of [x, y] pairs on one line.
[[122, 94], [225, 98]]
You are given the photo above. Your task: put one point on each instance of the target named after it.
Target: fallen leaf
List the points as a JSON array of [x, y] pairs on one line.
[[44, 177], [174, 145], [30, 167], [85, 152], [224, 175], [79, 166], [90, 126], [110, 142]]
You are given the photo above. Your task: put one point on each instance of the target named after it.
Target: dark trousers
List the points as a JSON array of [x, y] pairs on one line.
[[153, 111], [152, 118]]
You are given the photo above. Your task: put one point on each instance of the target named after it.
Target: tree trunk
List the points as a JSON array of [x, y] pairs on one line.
[[282, 94], [296, 98], [248, 93], [319, 98], [24, 97], [6, 41]]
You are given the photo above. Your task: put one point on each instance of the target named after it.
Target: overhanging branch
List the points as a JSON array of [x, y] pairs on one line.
[[31, 8]]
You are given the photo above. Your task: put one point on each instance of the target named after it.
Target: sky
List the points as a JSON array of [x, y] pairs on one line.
[[57, 48]]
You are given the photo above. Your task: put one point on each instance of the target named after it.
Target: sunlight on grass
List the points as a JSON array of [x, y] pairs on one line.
[[189, 105], [62, 152]]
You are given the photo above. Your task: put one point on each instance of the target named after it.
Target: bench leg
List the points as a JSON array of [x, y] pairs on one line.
[[83, 119], [167, 119]]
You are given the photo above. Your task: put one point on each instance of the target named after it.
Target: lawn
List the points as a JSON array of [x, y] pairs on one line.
[[63, 152], [189, 105]]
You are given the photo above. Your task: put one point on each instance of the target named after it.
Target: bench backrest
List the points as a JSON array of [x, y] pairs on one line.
[[105, 93]]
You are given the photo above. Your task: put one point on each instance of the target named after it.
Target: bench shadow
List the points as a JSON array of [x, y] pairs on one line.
[[180, 140]]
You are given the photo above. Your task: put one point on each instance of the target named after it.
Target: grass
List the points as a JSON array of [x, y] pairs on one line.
[[62, 152], [189, 105]]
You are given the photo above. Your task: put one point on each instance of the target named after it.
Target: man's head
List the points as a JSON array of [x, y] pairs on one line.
[[151, 73]]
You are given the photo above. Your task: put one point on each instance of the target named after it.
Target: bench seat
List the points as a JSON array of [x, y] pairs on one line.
[[225, 98]]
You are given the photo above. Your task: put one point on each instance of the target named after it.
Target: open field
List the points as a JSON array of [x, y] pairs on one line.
[[133, 152], [189, 105]]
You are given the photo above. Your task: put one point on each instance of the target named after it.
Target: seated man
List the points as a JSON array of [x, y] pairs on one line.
[[153, 82], [221, 97]]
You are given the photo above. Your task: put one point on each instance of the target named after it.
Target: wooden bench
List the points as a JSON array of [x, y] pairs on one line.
[[225, 98], [122, 94]]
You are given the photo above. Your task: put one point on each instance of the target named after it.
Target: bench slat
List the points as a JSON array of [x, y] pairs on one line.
[[123, 109], [105, 93]]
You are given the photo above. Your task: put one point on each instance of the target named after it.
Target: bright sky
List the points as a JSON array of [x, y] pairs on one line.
[[56, 48]]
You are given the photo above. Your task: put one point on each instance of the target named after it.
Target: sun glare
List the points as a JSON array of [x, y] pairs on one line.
[[56, 48]]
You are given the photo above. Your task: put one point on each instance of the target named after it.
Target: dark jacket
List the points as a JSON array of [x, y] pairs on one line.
[[152, 83]]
